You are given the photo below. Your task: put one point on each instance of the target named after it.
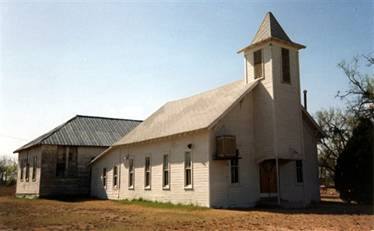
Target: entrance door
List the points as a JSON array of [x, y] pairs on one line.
[[268, 178]]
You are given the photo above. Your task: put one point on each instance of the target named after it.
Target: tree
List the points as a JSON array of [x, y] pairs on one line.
[[338, 124], [354, 168], [360, 95], [8, 171], [337, 127]]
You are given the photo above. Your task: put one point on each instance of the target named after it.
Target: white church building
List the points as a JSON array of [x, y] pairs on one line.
[[233, 146]]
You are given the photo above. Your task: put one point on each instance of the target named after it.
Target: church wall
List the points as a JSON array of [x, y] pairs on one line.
[[175, 147]]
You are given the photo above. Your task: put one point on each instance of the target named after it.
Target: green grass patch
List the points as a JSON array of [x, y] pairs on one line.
[[161, 205]]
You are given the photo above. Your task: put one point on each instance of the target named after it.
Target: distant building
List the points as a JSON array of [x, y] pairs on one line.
[[234, 146], [56, 163]]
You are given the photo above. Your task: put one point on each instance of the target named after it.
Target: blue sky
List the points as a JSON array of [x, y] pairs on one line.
[[126, 59]]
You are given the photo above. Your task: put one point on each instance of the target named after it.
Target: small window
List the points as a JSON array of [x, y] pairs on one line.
[[165, 172], [131, 173], [187, 169], [299, 171], [21, 168], [33, 174], [103, 177], [257, 58], [27, 170], [115, 176], [286, 66], [234, 164], [147, 173]]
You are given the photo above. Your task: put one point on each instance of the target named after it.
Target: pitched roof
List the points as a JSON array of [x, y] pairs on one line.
[[85, 131], [271, 30], [189, 114]]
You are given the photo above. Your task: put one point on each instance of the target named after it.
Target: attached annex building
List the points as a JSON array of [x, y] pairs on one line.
[[57, 163], [227, 147]]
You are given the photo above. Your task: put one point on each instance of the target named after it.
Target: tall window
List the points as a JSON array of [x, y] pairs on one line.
[[286, 66], [66, 165], [103, 177], [27, 170], [131, 173], [165, 172], [147, 172], [187, 169], [115, 176], [299, 171], [72, 162], [22, 165], [234, 165], [257, 58], [33, 174]]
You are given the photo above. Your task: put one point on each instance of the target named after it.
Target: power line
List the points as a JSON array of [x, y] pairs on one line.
[[13, 137]]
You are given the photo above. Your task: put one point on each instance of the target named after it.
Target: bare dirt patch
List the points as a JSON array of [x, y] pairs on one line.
[[41, 214]]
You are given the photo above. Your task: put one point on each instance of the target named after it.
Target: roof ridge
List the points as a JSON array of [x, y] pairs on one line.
[[109, 118]]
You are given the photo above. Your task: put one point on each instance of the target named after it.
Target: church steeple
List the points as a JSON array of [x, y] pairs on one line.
[[271, 31], [270, 28]]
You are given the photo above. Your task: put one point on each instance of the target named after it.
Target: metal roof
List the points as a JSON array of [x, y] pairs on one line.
[[85, 131]]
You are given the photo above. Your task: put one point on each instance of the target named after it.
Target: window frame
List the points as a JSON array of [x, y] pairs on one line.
[[131, 184], [299, 172], [186, 169], [258, 63], [27, 174], [33, 172], [115, 177], [165, 170], [22, 170], [147, 173], [104, 175], [236, 168], [286, 68]]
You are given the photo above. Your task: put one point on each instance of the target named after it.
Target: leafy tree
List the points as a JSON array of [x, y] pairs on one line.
[[354, 169], [8, 171]]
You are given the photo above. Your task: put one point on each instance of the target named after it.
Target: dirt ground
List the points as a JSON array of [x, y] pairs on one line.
[[42, 214]]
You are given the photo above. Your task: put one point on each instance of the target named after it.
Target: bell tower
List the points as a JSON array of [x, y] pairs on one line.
[[273, 59]]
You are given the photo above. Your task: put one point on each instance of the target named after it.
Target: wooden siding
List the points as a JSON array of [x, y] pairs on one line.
[[175, 147]]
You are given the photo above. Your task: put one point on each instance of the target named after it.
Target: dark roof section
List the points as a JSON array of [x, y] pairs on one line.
[[85, 131]]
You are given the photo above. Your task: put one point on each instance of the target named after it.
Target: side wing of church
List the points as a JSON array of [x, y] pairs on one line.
[[235, 146]]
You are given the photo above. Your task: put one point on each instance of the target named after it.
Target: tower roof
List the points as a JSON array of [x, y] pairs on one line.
[[271, 30]]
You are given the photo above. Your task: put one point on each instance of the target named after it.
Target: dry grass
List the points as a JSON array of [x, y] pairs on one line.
[[40, 214]]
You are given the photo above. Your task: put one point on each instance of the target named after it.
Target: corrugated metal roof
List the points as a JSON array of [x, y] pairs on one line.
[[188, 114], [86, 131]]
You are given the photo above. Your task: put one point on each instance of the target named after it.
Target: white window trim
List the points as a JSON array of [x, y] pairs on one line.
[[188, 187], [102, 177], [131, 187], [236, 183], [117, 185], [148, 187], [166, 187]]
